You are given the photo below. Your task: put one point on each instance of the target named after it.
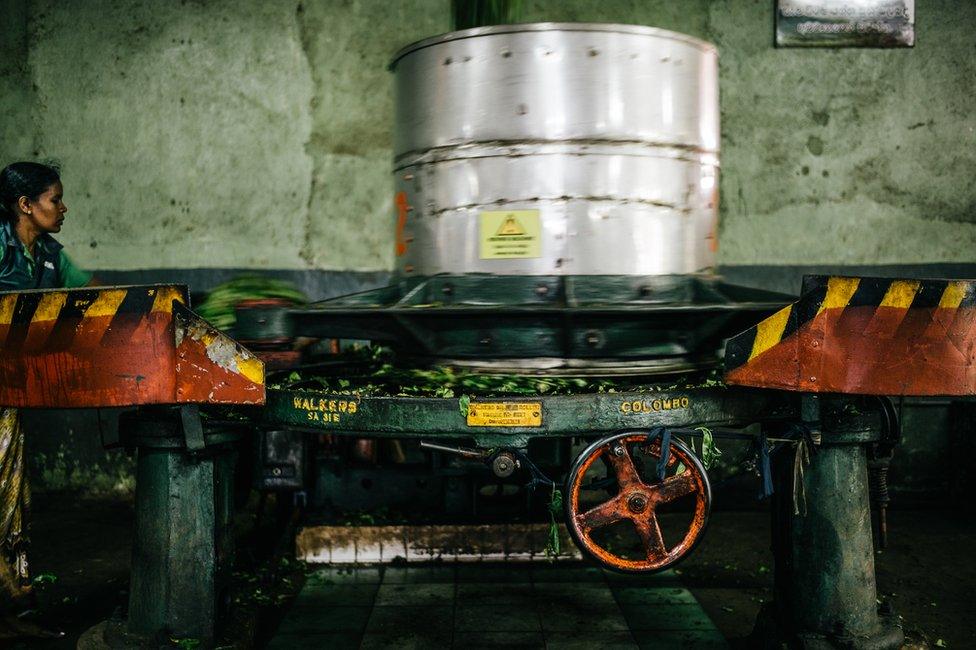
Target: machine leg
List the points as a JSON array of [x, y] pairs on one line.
[[825, 592], [175, 550], [225, 466]]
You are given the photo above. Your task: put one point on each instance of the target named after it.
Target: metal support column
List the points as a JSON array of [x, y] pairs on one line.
[[182, 549], [825, 591], [174, 553]]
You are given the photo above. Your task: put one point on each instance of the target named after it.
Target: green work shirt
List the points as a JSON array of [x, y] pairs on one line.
[[48, 268]]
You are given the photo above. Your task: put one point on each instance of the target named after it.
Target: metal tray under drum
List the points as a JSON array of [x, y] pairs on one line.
[[586, 325]]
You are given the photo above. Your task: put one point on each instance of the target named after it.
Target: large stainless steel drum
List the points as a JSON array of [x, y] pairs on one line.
[[556, 149]]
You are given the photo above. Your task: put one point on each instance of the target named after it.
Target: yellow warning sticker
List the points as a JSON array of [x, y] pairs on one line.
[[505, 414], [510, 234]]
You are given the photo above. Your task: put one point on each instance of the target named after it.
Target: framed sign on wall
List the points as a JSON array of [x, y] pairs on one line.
[[845, 23]]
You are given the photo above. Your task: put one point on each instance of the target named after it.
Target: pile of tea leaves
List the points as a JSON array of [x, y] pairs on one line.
[[378, 375]]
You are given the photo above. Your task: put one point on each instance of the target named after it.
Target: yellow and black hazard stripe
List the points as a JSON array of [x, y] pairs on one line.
[[107, 316], [821, 293]]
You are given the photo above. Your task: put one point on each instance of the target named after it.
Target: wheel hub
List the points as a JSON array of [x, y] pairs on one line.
[[637, 503]]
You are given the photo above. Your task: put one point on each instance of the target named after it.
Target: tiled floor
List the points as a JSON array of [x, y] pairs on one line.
[[493, 606]]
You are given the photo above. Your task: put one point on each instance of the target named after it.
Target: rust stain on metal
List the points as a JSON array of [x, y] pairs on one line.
[[403, 207], [107, 346]]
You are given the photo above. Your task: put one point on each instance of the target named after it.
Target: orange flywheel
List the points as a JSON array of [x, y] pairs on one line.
[[621, 514]]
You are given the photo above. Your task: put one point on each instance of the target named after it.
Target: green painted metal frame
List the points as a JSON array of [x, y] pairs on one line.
[[843, 423], [852, 418], [562, 415]]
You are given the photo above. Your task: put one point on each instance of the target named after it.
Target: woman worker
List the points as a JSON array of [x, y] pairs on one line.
[[31, 208]]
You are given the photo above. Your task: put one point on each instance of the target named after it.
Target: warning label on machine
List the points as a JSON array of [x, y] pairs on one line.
[[505, 414], [510, 234]]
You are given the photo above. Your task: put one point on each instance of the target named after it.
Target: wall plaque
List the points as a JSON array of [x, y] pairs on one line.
[[845, 23]]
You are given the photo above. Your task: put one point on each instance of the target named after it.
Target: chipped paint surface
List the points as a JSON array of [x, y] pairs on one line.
[[220, 350], [226, 353], [213, 368]]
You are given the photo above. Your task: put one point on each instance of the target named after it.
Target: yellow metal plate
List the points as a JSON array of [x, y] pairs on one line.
[[505, 414], [508, 234]]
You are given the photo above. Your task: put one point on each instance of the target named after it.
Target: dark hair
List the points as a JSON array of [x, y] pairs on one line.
[[28, 179]]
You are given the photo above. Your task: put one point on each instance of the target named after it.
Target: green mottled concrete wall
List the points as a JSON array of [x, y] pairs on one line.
[[848, 156], [256, 135], [349, 222], [16, 96]]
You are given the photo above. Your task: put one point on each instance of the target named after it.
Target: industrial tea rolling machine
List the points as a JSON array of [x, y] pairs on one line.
[[555, 199], [555, 228]]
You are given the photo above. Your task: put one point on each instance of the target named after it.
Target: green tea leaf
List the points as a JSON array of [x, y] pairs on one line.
[[187, 644], [45, 578], [553, 546], [710, 451]]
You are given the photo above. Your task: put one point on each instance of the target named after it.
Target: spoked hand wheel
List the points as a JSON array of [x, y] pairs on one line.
[[608, 502]]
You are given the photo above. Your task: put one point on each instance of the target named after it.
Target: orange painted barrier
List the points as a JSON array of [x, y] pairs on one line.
[[118, 346], [874, 336]]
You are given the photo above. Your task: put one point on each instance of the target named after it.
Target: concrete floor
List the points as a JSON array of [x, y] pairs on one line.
[[486, 605], [926, 574]]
